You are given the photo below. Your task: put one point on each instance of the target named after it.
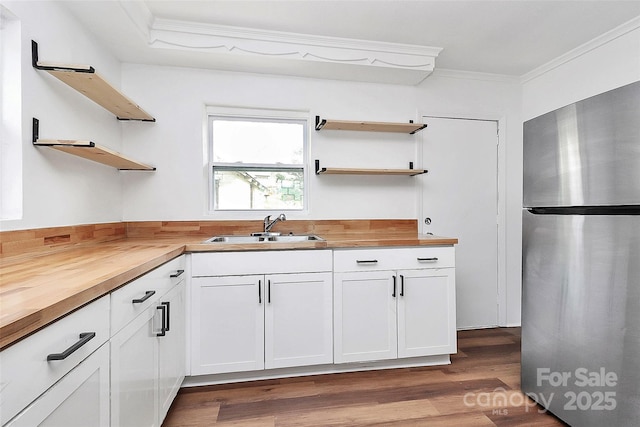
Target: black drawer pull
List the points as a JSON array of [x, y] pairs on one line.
[[85, 337], [146, 296], [434, 259], [177, 273], [393, 294], [367, 261], [401, 285], [259, 292]]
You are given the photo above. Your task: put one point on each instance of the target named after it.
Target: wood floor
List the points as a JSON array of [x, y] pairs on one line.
[[479, 388]]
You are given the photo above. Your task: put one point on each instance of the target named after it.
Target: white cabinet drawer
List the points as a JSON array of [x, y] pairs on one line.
[[25, 371], [79, 399], [136, 296], [393, 258], [260, 262]]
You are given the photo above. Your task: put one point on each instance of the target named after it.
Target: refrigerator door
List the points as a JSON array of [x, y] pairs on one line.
[[585, 154], [581, 317]]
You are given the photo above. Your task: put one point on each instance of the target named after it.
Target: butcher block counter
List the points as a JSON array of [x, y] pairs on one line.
[[43, 278]]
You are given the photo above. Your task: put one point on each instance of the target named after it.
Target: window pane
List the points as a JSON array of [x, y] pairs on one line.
[[258, 189], [244, 141]]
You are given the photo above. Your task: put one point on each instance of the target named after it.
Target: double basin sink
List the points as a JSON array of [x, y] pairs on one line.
[[265, 238]]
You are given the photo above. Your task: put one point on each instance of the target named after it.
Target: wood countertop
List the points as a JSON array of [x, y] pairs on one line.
[[38, 288]]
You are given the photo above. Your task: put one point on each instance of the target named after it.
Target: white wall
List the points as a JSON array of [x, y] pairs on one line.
[[60, 189]]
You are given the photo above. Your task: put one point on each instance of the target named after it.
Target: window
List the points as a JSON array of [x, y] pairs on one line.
[[258, 161]]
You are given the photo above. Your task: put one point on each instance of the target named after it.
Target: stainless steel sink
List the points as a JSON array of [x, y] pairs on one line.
[[290, 238]]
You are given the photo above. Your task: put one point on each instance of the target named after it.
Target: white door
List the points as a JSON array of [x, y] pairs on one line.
[[460, 199], [227, 332], [426, 312], [298, 320], [365, 325]]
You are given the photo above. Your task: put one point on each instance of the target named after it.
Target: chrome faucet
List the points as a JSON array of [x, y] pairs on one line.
[[268, 224]]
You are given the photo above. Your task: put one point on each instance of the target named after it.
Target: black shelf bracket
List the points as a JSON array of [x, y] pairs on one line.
[[34, 63], [35, 128], [318, 170], [417, 130], [320, 123]]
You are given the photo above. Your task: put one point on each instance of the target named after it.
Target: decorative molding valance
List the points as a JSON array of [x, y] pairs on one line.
[[276, 52]]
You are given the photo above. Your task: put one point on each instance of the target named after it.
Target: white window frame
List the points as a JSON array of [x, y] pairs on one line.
[[257, 114]]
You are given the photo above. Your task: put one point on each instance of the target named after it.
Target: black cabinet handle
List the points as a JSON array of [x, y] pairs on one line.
[[434, 259], [269, 291], [163, 328], [177, 273], [168, 305], [366, 261], [394, 287], [146, 296], [401, 285], [85, 337], [259, 291]]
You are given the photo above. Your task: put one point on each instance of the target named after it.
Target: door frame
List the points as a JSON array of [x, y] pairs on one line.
[[501, 121]]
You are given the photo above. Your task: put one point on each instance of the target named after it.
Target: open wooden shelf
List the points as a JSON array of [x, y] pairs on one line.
[[89, 150], [85, 80], [410, 128], [361, 171]]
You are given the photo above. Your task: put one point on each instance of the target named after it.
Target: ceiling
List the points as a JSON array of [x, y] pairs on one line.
[[509, 38]]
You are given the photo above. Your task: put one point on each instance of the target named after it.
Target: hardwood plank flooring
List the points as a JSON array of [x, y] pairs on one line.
[[481, 387]]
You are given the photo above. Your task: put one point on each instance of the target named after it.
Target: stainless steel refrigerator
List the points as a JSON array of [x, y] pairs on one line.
[[581, 260]]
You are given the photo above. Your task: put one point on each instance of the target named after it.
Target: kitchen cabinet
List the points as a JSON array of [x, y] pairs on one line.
[[364, 126], [147, 352], [55, 367], [228, 325], [260, 310], [393, 303], [298, 321]]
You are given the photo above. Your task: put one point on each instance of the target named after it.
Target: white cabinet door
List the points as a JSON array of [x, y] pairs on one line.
[[228, 324], [298, 320], [426, 312], [365, 316], [171, 349], [134, 373], [80, 398]]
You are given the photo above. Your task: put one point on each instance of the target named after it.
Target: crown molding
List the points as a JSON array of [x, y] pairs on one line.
[[475, 75], [583, 49]]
